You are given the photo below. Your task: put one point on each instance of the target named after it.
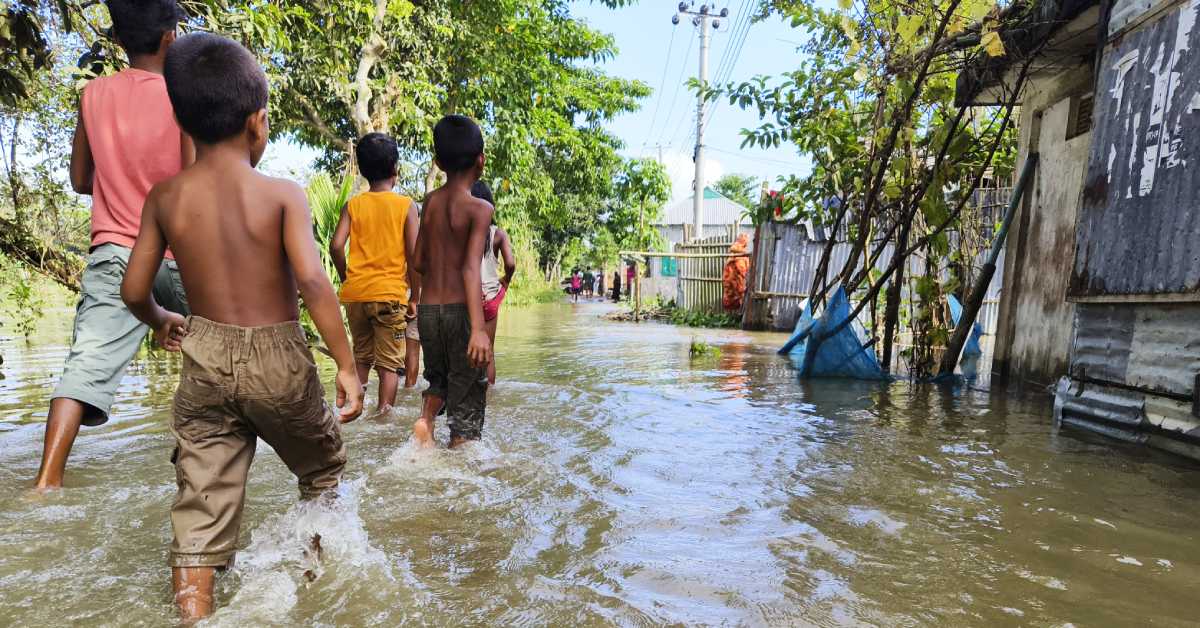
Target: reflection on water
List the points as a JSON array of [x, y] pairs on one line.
[[621, 481]]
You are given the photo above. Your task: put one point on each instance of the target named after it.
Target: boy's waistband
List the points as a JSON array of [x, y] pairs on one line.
[[287, 330], [434, 308]]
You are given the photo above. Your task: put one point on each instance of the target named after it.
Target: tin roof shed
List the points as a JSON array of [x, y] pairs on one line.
[[718, 210]]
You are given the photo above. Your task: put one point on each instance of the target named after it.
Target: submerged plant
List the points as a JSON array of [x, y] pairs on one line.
[[701, 349]]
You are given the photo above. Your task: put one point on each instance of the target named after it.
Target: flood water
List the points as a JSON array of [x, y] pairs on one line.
[[621, 482]]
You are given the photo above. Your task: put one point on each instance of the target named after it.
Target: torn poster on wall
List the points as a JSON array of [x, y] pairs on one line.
[[1139, 219]]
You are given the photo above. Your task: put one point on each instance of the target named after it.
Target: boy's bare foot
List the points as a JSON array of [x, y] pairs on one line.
[[423, 432], [457, 441], [193, 592]]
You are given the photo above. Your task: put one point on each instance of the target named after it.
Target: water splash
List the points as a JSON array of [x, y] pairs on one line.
[[315, 545]]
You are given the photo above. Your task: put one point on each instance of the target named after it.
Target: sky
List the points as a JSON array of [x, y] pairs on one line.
[[656, 52], [664, 56]]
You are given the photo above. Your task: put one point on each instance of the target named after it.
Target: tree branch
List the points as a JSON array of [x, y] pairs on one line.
[[314, 121]]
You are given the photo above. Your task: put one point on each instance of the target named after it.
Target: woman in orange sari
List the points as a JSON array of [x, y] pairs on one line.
[[735, 275]]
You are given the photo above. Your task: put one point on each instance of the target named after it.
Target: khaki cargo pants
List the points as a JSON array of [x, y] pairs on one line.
[[237, 385]]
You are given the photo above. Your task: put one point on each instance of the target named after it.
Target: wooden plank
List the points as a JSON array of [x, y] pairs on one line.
[[779, 295], [683, 255]]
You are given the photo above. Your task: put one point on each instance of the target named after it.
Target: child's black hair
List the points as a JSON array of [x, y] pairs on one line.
[[214, 85], [457, 143], [479, 189], [377, 155], [139, 24]]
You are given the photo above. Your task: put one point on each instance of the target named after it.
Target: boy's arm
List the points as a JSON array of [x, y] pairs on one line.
[[510, 260], [319, 297], [418, 259], [138, 285], [83, 169], [479, 349], [411, 227], [337, 244]]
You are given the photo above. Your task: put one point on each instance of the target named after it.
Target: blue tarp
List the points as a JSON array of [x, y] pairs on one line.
[[845, 354], [969, 360]]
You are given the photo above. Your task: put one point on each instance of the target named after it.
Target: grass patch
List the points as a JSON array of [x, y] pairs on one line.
[[527, 290], [667, 312], [722, 320]]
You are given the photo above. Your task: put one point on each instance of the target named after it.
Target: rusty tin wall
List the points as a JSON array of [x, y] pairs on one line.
[[1124, 12], [1133, 370], [1139, 218], [1154, 348]]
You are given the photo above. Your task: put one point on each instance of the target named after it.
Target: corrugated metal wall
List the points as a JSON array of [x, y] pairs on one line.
[[1135, 358], [1139, 219], [794, 260]]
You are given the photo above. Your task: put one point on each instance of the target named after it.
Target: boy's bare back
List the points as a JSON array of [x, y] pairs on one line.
[[450, 218], [230, 228]]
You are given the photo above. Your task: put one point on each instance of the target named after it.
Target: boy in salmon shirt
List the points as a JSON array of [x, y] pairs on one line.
[[126, 140], [381, 226]]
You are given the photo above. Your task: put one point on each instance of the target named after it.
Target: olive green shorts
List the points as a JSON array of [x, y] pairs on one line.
[[107, 335]]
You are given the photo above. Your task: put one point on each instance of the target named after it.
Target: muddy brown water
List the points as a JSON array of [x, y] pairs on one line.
[[621, 482]]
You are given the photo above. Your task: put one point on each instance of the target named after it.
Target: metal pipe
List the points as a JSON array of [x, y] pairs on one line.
[[975, 300]]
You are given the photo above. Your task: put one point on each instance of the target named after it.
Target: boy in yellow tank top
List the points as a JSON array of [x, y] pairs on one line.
[[379, 287]]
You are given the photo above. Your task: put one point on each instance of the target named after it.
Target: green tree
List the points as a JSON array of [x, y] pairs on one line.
[[895, 158], [740, 188], [525, 69], [640, 192]]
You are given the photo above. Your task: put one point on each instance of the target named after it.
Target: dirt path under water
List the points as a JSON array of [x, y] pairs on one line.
[[622, 482]]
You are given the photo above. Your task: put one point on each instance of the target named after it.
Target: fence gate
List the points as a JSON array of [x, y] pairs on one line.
[[700, 284]]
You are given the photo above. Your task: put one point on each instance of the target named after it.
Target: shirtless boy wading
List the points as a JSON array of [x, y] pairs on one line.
[[453, 235], [245, 248]]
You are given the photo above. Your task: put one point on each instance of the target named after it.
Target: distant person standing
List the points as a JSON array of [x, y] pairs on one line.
[[733, 279], [600, 284], [616, 290], [630, 273], [576, 284], [589, 283]]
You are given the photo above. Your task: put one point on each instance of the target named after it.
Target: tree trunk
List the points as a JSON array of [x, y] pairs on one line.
[[884, 157], [373, 47], [891, 314], [431, 177]]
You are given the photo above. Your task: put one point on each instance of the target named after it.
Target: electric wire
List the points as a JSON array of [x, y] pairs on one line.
[[679, 84], [658, 95]]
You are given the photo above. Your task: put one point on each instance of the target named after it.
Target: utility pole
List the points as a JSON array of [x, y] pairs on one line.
[[701, 19]]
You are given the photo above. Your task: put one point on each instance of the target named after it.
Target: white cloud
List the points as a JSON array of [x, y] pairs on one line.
[[682, 171]]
